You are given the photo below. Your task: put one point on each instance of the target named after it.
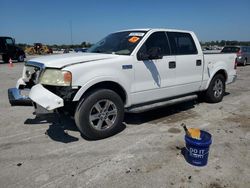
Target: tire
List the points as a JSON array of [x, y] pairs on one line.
[[99, 114], [20, 58], [5, 58], [216, 89]]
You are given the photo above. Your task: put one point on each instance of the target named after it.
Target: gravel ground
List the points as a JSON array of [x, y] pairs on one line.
[[46, 152]]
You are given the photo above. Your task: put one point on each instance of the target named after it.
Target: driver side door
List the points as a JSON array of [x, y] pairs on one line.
[[153, 76]]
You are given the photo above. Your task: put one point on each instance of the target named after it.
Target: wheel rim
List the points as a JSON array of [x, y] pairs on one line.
[[21, 58], [218, 88], [102, 115]]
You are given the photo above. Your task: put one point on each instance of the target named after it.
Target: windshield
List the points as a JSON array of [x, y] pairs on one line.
[[121, 43], [230, 49]]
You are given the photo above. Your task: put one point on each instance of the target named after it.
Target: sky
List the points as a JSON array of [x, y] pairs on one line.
[[51, 21]]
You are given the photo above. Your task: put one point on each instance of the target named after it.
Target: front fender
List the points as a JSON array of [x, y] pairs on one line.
[[100, 79]]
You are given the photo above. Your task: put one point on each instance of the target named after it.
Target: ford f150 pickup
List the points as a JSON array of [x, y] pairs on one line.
[[125, 70]]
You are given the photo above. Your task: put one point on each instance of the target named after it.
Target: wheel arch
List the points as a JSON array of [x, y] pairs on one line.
[[223, 72], [112, 85]]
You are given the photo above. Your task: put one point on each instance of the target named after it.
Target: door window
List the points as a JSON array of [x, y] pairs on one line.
[[181, 43], [156, 40], [9, 41]]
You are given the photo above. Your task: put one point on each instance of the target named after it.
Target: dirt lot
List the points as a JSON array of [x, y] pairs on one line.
[[47, 153]]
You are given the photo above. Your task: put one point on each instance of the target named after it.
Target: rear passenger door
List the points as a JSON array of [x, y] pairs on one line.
[[189, 64]]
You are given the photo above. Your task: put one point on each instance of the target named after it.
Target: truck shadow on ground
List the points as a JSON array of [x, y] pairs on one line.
[[59, 125], [159, 113]]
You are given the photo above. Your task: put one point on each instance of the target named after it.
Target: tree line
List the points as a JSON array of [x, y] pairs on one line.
[[226, 43], [56, 46]]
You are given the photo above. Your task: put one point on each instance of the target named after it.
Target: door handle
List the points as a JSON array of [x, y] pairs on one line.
[[198, 62], [172, 64]]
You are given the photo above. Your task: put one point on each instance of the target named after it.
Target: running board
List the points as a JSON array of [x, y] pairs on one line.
[[153, 106]]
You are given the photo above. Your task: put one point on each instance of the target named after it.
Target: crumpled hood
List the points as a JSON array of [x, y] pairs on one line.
[[64, 60]]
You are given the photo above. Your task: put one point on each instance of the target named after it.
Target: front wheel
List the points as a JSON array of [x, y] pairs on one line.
[[5, 58], [99, 114], [216, 89]]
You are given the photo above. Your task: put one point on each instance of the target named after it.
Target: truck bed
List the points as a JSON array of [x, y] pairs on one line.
[[214, 61]]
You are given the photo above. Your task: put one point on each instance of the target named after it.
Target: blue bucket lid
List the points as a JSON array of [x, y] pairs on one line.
[[206, 139]]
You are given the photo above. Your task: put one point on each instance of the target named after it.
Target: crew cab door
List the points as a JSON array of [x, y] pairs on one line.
[[153, 75], [189, 62]]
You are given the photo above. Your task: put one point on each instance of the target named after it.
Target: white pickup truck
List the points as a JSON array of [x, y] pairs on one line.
[[125, 70]]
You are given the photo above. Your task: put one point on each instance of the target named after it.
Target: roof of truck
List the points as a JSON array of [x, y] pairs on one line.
[[155, 29]]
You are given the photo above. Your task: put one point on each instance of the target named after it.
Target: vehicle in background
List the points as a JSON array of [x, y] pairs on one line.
[[80, 49], [38, 48], [243, 53], [68, 50], [8, 50], [205, 48]]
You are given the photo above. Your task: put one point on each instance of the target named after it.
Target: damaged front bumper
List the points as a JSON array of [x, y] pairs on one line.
[[16, 98], [45, 98], [38, 95]]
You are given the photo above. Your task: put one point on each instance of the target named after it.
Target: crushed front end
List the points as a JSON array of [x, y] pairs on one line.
[[42, 87]]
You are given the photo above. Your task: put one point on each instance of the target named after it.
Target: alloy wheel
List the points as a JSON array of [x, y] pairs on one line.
[[103, 115], [218, 88]]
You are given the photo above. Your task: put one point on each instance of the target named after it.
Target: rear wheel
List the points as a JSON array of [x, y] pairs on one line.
[[99, 114], [216, 89]]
